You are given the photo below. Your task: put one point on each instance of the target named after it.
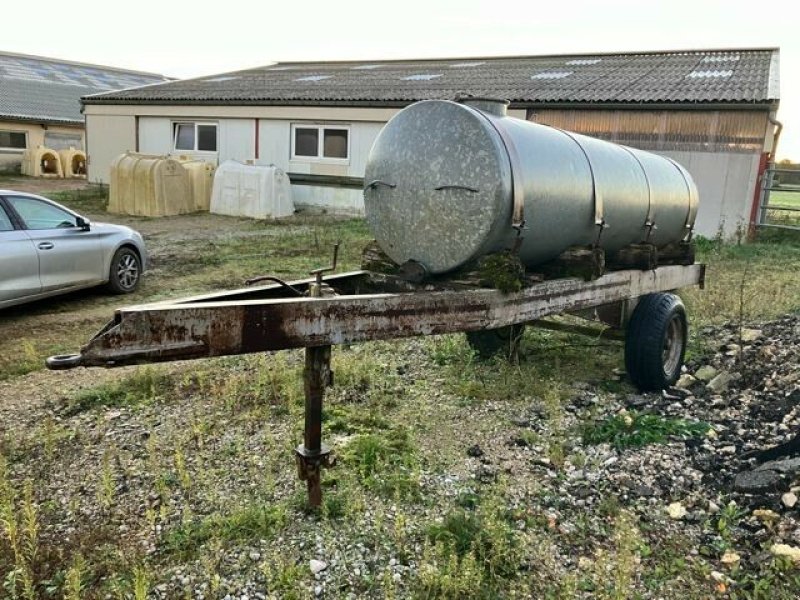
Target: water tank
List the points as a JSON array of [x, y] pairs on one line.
[[447, 182], [41, 162], [149, 186], [258, 192]]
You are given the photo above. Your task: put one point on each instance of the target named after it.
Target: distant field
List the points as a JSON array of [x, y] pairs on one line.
[[784, 198]]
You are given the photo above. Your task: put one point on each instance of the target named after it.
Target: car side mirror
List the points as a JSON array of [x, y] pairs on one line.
[[83, 224]]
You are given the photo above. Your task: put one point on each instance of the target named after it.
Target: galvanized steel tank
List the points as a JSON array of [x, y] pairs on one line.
[[447, 182]]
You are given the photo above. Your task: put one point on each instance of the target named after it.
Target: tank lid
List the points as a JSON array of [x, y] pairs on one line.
[[492, 106]]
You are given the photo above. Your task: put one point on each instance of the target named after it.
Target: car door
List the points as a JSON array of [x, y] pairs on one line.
[[68, 255], [19, 262]]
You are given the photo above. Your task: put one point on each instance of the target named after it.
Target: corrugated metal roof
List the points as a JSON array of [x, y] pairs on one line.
[[719, 76], [49, 90]]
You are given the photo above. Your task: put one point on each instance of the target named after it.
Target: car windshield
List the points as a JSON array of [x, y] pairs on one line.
[[38, 214]]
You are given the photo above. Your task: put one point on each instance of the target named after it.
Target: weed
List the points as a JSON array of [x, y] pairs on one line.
[[107, 484], [284, 576], [73, 583], [629, 430], [141, 583]]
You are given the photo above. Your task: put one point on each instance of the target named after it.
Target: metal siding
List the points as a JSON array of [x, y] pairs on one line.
[[665, 130], [106, 138], [236, 140], [725, 185], [155, 135]]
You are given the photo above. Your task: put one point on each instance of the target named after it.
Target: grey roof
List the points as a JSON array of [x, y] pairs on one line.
[[718, 76], [49, 90]]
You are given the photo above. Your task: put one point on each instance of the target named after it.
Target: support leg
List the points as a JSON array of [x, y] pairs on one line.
[[312, 454]]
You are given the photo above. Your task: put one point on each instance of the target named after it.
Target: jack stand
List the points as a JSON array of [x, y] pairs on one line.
[[312, 454]]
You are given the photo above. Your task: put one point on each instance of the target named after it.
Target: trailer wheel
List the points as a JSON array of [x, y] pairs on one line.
[[655, 342], [488, 342]]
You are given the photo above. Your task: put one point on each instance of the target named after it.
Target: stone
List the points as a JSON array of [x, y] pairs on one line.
[[787, 466], [766, 515], [792, 552], [317, 566], [686, 381], [730, 559], [255, 556], [756, 481], [750, 335], [789, 499], [318, 590], [676, 511], [475, 451], [713, 507], [720, 382], [706, 373]]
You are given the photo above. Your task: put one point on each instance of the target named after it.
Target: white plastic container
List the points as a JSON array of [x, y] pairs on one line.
[[258, 192]]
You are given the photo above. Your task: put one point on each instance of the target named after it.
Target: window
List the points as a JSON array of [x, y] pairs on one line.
[[13, 140], [5, 222], [195, 137], [320, 142], [63, 141], [40, 215]]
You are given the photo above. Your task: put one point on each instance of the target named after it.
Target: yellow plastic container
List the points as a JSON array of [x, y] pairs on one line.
[[41, 162], [149, 186], [201, 176], [73, 163]]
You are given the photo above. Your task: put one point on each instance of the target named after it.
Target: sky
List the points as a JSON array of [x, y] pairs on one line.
[[191, 39]]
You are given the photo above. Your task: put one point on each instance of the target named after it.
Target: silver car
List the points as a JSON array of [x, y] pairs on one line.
[[47, 249]]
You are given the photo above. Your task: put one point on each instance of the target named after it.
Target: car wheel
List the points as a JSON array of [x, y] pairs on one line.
[[125, 272]]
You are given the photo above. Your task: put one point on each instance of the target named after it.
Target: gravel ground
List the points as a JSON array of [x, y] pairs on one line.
[[127, 483]]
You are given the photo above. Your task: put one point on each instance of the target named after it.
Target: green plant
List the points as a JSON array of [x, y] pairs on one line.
[[628, 430], [141, 583], [107, 485], [73, 583]]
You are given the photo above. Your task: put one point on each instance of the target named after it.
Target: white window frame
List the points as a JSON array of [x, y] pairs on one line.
[[7, 149], [175, 124], [320, 127]]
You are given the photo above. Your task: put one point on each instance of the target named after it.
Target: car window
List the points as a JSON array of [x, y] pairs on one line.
[[38, 214], [5, 222]]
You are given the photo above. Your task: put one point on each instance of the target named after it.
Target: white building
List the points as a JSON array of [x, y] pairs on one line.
[[711, 110]]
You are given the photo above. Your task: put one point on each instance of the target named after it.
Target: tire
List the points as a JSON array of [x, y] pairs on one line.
[[655, 342], [125, 272], [489, 342]]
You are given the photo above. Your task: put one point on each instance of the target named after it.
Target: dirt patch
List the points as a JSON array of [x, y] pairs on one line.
[[42, 186]]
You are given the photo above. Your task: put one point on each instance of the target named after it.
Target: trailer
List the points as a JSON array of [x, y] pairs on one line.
[[329, 309]]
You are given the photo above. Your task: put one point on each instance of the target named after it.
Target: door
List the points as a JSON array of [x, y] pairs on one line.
[[68, 255], [19, 263]]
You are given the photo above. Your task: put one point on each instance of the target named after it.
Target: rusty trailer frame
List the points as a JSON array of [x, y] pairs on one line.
[[344, 308]]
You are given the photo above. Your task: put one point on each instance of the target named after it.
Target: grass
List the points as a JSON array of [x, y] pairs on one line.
[[750, 281], [144, 385], [251, 522], [630, 430]]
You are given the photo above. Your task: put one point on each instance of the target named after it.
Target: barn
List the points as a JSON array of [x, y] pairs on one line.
[[713, 111], [40, 101]]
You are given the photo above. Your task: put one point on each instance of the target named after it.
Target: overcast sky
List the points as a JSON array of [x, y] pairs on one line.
[[189, 39]]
